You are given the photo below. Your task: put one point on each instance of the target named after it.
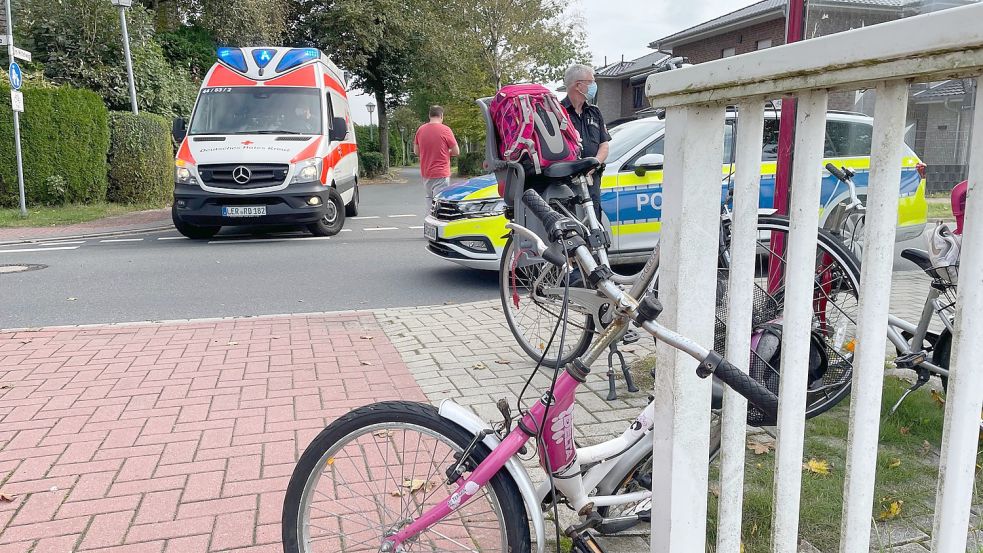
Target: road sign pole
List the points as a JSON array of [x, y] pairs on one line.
[[20, 165], [129, 62]]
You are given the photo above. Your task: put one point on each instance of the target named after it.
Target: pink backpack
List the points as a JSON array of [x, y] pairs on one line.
[[532, 127]]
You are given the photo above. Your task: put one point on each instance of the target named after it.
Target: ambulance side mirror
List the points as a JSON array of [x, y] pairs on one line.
[[648, 162], [179, 129], [339, 129]]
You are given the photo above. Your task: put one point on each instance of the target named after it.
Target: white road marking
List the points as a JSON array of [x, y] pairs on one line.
[[254, 240], [364, 217], [68, 243], [381, 228], [174, 238], [123, 240], [346, 230], [419, 227], [403, 215], [39, 249]]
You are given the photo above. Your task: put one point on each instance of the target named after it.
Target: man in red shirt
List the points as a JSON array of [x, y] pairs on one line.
[[435, 144]]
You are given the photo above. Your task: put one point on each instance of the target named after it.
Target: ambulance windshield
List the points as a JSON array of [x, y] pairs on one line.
[[257, 110]]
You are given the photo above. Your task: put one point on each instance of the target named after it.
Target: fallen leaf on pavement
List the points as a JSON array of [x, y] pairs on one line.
[[382, 433], [5, 387], [414, 485], [7, 496], [905, 430], [938, 398], [895, 463], [758, 448], [817, 466], [72, 299], [926, 447], [478, 366], [891, 510], [365, 363], [366, 337], [502, 361], [233, 344]]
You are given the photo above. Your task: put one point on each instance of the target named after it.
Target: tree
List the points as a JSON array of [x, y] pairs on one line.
[[406, 122], [79, 42], [245, 22], [378, 41]]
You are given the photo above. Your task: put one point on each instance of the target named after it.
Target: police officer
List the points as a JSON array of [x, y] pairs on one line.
[[587, 118]]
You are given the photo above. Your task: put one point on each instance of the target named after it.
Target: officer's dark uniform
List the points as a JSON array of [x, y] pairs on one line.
[[593, 133]]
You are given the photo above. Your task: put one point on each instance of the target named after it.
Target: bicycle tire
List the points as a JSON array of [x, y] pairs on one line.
[[383, 421], [531, 317]]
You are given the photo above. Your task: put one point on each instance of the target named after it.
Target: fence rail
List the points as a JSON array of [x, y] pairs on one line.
[[886, 57]]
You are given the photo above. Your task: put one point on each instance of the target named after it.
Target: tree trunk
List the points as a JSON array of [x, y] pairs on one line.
[[380, 101]]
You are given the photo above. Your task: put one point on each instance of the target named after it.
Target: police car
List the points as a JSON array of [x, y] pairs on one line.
[[467, 225], [270, 142]]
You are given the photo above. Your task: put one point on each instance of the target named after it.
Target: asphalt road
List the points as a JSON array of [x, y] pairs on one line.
[[380, 260]]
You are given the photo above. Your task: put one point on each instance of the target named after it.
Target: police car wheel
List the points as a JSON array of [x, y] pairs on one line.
[[333, 219], [351, 208]]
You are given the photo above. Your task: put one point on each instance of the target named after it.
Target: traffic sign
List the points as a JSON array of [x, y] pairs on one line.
[[16, 76], [21, 53], [17, 100]]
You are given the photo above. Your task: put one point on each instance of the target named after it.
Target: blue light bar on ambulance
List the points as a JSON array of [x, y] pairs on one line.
[[263, 56], [233, 58], [296, 57]]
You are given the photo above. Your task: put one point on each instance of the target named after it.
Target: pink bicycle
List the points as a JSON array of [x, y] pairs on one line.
[[402, 476]]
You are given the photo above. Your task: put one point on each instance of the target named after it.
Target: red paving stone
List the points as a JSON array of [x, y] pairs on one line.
[[174, 437]]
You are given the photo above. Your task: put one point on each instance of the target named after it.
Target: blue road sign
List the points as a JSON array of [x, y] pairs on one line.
[[16, 76]]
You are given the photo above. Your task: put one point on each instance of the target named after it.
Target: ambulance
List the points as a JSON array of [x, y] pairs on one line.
[[269, 142]]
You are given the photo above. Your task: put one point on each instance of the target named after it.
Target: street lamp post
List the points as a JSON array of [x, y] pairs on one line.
[[122, 5], [371, 107]]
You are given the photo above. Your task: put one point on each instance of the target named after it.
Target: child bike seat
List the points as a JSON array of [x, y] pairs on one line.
[[577, 167]]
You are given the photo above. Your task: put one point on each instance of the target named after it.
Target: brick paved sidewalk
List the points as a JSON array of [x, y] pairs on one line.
[[130, 222], [174, 437]]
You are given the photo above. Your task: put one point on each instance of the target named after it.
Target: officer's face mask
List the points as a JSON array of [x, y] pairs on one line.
[[591, 91]]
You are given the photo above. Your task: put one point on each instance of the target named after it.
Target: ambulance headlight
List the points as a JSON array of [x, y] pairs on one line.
[[183, 175], [308, 171]]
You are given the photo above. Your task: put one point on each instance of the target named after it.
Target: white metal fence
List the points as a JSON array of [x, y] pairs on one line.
[[886, 57]]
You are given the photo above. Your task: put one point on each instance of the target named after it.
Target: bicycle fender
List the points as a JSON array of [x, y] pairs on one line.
[[466, 419]]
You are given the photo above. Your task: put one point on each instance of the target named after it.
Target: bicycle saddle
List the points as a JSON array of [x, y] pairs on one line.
[[564, 169], [918, 257]]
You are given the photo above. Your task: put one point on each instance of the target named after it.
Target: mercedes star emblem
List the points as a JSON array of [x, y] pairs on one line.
[[241, 174]]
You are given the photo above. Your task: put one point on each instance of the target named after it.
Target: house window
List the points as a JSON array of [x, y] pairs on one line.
[[728, 52], [638, 96], [762, 44]]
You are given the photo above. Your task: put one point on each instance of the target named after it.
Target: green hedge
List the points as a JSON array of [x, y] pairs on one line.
[[65, 138], [141, 158], [470, 164], [369, 164]]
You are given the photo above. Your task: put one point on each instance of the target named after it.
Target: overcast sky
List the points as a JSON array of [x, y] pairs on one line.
[[621, 27]]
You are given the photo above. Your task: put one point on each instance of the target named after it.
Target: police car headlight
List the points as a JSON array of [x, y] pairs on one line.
[[308, 171], [482, 208], [184, 175]]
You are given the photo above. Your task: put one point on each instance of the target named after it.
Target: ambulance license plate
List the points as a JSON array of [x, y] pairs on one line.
[[430, 231], [243, 210]]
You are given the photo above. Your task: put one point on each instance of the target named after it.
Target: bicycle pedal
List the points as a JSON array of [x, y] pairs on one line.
[[631, 336], [585, 543], [910, 360]]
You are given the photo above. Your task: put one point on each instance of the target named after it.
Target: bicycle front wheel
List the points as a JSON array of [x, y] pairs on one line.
[[378, 468], [532, 299]]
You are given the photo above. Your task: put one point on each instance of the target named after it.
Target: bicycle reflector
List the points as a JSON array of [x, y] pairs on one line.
[[297, 56], [233, 58]]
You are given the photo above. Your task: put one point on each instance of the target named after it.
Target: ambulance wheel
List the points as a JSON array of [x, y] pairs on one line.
[[351, 208], [334, 216], [192, 231]]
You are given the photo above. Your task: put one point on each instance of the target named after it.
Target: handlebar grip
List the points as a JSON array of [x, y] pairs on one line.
[[742, 383], [541, 210], [836, 172]]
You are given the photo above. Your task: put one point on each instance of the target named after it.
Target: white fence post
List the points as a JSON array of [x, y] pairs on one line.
[[875, 299], [743, 243], [800, 268], [964, 398], [690, 214]]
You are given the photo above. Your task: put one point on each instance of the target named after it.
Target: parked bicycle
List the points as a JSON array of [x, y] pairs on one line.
[[402, 476]]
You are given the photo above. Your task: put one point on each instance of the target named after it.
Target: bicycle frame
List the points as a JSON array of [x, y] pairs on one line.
[[554, 415]]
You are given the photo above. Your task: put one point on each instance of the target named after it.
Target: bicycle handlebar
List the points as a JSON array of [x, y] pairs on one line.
[[836, 172], [710, 361]]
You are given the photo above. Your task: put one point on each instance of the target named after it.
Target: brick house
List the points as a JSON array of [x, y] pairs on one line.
[[762, 25]]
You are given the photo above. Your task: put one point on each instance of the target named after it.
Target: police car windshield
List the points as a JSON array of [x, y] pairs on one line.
[[257, 110], [627, 136]]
